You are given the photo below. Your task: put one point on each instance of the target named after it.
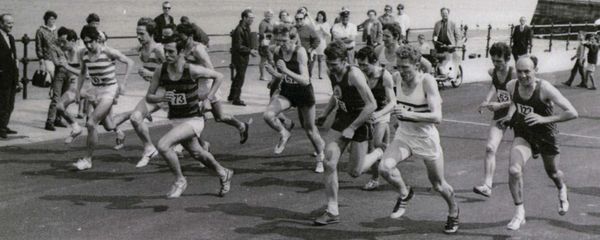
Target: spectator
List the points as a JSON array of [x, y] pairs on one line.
[[199, 34], [283, 15], [593, 47], [423, 46], [240, 51], [402, 19], [265, 33], [372, 29], [45, 43], [167, 31], [163, 20], [60, 83], [324, 32], [346, 32], [93, 20], [447, 36], [521, 38], [9, 77], [387, 17], [309, 39], [579, 61]]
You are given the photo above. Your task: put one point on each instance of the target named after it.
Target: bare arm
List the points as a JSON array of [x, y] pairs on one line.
[[551, 94], [357, 79], [82, 74], [198, 71], [200, 52], [119, 56], [389, 94], [151, 96]]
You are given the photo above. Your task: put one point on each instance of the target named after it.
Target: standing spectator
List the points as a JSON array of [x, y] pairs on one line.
[[324, 31], [424, 47], [579, 61], [446, 36], [283, 15], [372, 29], [309, 39], [60, 82], [402, 19], [265, 33], [521, 38], [45, 43], [9, 74], [593, 47], [387, 17], [163, 20], [199, 34], [346, 32], [240, 51]]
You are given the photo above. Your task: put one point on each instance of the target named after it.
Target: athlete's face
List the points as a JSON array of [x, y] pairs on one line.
[[406, 68], [63, 43], [499, 62], [284, 41], [167, 32], [91, 45], [142, 34], [525, 71], [365, 66], [336, 66], [387, 37], [171, 54]]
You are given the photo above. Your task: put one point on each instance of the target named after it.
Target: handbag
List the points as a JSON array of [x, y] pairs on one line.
[[39, 79]]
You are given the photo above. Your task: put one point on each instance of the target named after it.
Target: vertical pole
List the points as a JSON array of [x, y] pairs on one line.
[[487, 47], [407, 33], [24, 60], [568, 36], [512, 29], [464, 50], [551, 36], [532, 33]]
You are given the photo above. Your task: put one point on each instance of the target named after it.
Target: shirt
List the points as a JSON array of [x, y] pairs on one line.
[[404, 22], [308, 37], [6, 39], [349, 31]]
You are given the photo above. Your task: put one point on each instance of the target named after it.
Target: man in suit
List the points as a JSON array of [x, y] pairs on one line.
[[163, 20], [9, 74], [447, 35], [521, 38]]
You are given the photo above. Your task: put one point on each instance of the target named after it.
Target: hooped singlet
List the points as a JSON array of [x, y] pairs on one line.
[[416, 101], [101, 70], [185, 102]]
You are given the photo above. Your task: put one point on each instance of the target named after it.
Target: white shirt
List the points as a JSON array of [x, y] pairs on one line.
[[5, 35], [404, 22], [349, 31]]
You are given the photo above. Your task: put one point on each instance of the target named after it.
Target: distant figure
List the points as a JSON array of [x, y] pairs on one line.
[[167, 31], [324, 31], [579, 62], [240, 51], [346, 32], [283, 15], [9, 79], [163, 20], [446, 33], [309, 39], [265, 33], [199, 34], [403, 19], [593, 46], [387, 17], [521, 38], [424, 47], [372, 29]]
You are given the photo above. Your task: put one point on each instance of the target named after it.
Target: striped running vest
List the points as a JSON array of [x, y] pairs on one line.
[[102, 70], [185, 102], [416, 101]]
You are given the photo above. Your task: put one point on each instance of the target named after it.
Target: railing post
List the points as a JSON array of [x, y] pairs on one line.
[[489, 37], [568, 36], [25, 60], [551, 36], [407, 32], [464, 50], [531, 42], [512, 29]]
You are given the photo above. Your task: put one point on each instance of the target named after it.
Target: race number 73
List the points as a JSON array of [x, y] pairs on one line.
[[178, 99]]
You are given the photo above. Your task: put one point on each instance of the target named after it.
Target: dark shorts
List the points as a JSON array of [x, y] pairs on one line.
[[299, 96], [344, 119], [544, 143], [263, 51], [500, 113]]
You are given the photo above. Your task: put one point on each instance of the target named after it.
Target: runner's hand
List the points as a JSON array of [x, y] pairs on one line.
[[482, 106], [534, 119], [168, 96], [348, 133], [281, 65], [253, 52]]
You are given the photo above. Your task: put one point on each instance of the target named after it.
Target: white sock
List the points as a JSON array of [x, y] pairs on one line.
[[333, 208], [520, 210]]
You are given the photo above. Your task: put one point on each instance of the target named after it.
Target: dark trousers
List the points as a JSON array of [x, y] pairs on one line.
[[60, 85], [7, 103], [517, 53], [238, 81], [577, 68]]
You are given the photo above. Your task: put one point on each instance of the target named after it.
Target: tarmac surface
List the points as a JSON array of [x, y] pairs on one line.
[[278, 196]]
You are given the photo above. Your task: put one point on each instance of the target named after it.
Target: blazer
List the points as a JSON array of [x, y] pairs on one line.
[[9, 72], [521, 40], [160, 24], [454, 33], [241, 44]]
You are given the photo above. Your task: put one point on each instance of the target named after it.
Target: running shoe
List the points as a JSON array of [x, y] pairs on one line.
[[146, 157], [120, 141], [563, 206], [320, 158], [327, 218], [225, 182], [244, 134], [483, 190], [452, 224], [74, 133], [83, 164], [179, 150], [177, 189], [516, 222], [371, 185], [282, 142], [401, 204]]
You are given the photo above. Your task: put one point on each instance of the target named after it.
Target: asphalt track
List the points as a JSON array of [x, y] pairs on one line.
[[276, 197]]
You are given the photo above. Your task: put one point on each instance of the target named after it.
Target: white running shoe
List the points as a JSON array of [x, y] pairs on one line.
[[120, 141], [83, 164], [401, 204], [285, 136], [563, 205], [320, 158], [483, 190], [146, 158], [225, 182], [516, 222], [371, 185], [177, 189], [74, 133]]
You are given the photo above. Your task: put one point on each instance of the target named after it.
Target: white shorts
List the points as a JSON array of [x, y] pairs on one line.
[[428, 148], [197, 123], [590, 67], [383, 119], [101, 92]]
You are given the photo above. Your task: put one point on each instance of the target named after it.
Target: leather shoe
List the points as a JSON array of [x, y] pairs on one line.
[[49, 127], [59, 123], [238, 103], [10, 131], [3, 134]]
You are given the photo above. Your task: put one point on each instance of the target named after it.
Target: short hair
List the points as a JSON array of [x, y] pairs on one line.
[[49, 14], [286, 28], [92, 18], [173, 39], [71, 35], [408, 52], [62, 31], [166, 2], [184, 19], [323, 14], [90, 32], [388, 7], [400, 6], [501, 49], [534, 59], [282, 12], [336, 50], [421, 36], [246, 13], [268, 12], [148, 23], [185, 29], [372, 11], [394, 28], [2, 16], [367, 53], [445, 8]]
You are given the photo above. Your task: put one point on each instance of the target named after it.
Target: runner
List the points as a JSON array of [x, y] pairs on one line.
[[501, 74], [533, 120], [98, 61], [355, 105], [196, 53], [381, 84], [418, 109], [295, 90], [386, 53], [182, 82]]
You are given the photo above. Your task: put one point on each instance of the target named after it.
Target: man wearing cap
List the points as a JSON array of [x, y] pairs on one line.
[[346, 32], [387, 17], [163, 20], [402, 19]]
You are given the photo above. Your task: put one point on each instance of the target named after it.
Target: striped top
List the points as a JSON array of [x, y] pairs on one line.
[[185, 102], [416, 101], [101, 70]]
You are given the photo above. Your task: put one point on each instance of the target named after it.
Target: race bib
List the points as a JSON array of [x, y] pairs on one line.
[[178, 99], [503, 96], [524, 109], [96, 80]]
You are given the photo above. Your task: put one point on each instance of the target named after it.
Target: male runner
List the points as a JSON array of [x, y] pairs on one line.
[[295, 91], [501, 73], [418, 109], [355, 104], [534, 123], [98, 61], [182, 81]]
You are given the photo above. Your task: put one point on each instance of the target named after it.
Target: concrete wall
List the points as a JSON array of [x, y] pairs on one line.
[[565, 11]]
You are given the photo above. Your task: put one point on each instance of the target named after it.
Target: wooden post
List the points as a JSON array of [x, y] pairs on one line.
[[568, 36], [512, 29], [24, 60], [407, 32], [551, 36], [489, 37]]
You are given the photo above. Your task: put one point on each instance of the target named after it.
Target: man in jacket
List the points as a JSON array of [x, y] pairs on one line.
[[309, 39], [9, 75], [241, 49], [521, 38], [163, 20], [372, 29]]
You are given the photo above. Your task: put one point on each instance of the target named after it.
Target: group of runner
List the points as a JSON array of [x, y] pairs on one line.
[[390, 83]]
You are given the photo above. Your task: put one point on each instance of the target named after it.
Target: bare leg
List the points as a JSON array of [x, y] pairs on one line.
[[333, 153]]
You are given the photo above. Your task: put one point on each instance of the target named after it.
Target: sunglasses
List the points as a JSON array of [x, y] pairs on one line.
[[167, 8], [299, 19]]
